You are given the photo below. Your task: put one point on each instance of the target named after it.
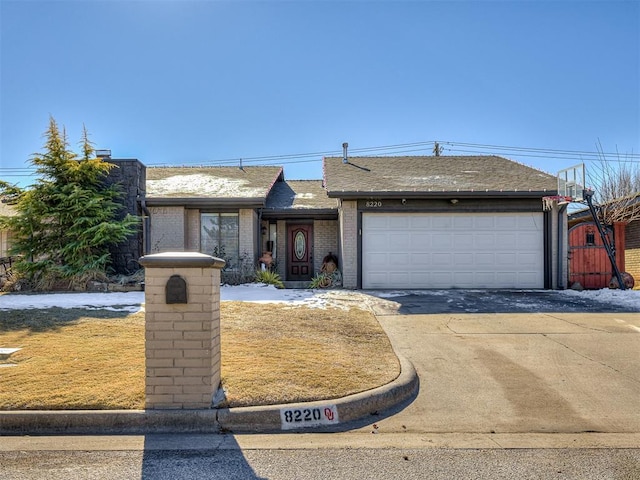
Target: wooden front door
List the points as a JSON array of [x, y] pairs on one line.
[[299, 254]]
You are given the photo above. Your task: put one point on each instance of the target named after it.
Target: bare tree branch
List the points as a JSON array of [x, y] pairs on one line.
[[616, 184]]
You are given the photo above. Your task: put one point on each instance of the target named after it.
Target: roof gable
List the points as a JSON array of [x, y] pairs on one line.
[[432, 175], [300, 195], [212, 182]]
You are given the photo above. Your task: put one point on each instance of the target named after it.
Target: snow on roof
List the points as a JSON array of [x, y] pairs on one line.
[[202, 185]]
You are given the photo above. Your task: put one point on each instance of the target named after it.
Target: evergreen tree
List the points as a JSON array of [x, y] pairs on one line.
[[66, 221]]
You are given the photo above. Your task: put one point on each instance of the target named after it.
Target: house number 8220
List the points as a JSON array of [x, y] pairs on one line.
[[373, 204]]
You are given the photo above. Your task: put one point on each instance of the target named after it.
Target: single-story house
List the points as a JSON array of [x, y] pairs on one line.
[[392, 222]]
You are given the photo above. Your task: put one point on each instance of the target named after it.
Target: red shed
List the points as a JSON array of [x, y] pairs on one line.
[[588, 261]]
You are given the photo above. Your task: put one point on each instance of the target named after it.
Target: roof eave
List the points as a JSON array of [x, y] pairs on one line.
[[249, 202], [352, 195], [324, 213]]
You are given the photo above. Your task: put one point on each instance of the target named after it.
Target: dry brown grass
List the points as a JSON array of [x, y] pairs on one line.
[[285, 354], [79, 359]]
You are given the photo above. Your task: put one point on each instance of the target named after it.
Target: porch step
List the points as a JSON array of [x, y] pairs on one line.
[[301, 284]]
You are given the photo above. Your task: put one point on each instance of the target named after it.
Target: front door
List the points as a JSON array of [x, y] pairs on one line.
[[300, 256]]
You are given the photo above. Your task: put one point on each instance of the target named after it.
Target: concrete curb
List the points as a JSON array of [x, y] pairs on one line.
[[243, 419], [350, 408]]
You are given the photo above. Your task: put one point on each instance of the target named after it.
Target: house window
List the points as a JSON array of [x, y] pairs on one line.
[[219, 237]]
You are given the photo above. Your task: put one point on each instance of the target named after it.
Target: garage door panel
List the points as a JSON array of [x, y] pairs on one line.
[[529, 222], [463, 222], [528, 279], [527, 260], [527, 241], [420, 242], [484, 223], [463, 259], [441, 279], [500, 250], [503, 259], [484, 240], [507, 222], [421, 259], [462, 242], [400, 259], [441, 221], [441, 241], [377, 243], [484, 259], [441, 259], [506, 240], [464, 279], [420, 222], [399, 222]]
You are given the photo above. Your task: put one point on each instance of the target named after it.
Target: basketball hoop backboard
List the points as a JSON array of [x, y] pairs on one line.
[[571, 182]]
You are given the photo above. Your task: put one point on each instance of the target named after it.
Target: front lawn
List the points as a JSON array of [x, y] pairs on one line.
[[94, 359]]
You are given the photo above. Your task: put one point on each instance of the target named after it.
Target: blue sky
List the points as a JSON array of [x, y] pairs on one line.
[[200, 82]]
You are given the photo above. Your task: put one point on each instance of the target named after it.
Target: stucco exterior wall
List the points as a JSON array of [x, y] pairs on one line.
[[167, 229], [348, 219]]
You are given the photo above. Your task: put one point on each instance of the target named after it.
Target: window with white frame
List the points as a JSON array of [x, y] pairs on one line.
[[219, 237]]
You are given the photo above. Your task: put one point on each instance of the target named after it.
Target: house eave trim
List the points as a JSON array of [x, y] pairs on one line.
[[207, 202], [355, 195]]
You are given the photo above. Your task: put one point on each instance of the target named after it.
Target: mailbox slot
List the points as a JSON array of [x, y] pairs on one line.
[[176, 290]]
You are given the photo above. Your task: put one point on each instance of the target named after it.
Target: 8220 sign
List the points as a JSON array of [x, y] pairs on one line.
[[308, 417]]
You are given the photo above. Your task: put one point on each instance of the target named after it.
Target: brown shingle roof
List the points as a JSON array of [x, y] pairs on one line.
[[300, 195], [432, 175], [211, 182]]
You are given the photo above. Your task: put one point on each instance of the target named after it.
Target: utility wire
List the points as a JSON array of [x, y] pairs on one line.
[[382, 150]]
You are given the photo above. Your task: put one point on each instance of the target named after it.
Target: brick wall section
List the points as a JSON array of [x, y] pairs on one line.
[[167, 229], [632, 250], [348, 218], [325, 240], [193, 230], [281, 248], [5, 243], [182, 349], [247, 220]]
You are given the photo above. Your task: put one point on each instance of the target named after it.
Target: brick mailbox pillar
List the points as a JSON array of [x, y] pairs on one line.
[[182, 329]]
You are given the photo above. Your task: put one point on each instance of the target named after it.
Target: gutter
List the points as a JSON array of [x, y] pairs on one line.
[[146, 227], [436, 194], [255, 202]]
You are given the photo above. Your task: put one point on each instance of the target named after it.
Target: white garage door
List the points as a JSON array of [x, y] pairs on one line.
[[465, 250]]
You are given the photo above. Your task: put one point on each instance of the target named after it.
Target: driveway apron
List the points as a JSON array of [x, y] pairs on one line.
[[551, 372]]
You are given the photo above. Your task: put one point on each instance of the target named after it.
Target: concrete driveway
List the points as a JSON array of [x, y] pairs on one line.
[[552, 370]]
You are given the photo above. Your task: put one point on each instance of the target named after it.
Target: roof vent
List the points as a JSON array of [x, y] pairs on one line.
[[103, 153], [345, 159]]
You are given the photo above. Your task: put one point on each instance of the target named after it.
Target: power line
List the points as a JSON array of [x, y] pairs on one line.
[[457, 147]]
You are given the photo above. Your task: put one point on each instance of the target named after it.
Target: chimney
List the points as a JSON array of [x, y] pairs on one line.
[[103, 154], [345, 145]]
